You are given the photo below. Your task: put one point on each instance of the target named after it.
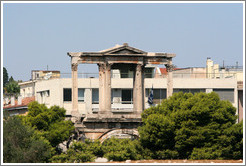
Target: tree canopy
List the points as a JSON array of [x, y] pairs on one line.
[[12, 87], [49, 122], [5, 76], [199, 126], [21, 144]]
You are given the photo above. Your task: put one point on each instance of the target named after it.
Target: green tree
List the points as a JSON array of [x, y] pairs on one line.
[[49, 122], [187, 125], [12, 87], [22, 145], [5, 76], [11, 79]]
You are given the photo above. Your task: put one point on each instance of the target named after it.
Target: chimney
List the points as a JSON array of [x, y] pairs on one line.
[[19, 100], [12, 100]]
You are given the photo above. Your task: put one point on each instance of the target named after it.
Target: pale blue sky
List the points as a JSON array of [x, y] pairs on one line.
[[37, 35]]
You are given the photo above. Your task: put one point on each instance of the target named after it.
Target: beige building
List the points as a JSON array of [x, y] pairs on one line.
[[45, 74]]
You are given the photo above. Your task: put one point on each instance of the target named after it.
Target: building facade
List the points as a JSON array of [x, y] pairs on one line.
[[114, 98]]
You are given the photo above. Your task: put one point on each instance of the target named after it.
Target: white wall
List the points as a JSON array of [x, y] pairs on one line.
[[56, 89]]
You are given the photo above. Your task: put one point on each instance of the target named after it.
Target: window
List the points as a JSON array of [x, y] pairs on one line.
[[124, 73], [126, 96], [67, 94], [148, 73], [42, 96], [225, 94], [193, 91], [48, 93], [158, 95], [95, 96], [81, 93]]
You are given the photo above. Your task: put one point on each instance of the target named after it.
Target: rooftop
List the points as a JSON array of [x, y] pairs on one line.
[[24, 103]]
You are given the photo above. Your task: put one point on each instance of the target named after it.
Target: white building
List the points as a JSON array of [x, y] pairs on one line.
[[57, 91]]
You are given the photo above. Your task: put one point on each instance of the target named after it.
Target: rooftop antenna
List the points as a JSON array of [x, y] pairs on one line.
[[223, 67]]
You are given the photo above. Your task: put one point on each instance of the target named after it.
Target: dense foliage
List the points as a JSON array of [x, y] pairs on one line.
[[21, 144], [185, 126], [199, 126], [12, 87], [80, 152], [5, 76], [112, 149], [121, 149], [50, 122]]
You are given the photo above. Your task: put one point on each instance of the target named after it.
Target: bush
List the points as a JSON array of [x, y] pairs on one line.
[[78, 152], [120, 149]]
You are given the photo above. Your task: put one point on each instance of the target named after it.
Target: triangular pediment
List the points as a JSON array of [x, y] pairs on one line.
[[125, 51], [122, 50]]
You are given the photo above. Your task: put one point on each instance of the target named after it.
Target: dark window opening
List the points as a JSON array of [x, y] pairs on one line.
[[81, 94], [225, 94], [95, 96], [67, 94], [126, 96]]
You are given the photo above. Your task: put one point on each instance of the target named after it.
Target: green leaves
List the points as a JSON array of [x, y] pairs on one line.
[[50, 123], [120, 149], [79, 152], [12, 87], [5, 76], [199, 126], [21, 144]]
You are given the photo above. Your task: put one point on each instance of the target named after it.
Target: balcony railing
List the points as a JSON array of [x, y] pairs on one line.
[[149, 75]]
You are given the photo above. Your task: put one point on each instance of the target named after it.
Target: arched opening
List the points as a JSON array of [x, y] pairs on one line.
[[119, 133]]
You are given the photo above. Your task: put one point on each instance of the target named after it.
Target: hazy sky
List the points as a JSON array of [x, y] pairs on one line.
[[37, 35]]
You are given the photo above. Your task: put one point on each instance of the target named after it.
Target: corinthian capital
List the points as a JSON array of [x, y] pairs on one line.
[[139, 67], [169, 67], [74, 66]]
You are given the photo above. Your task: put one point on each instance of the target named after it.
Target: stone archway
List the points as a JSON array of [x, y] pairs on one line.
[[116, 132]]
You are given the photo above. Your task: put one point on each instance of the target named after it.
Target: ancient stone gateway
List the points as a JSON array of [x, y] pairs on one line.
[[106, 122], [119, 133]]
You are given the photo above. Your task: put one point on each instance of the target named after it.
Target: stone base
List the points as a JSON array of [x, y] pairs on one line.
[[75, 113], [113, 117]]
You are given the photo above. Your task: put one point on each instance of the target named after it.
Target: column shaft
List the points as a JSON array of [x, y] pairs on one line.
[[138, 89], [104, 88], [108, 88], [74, 89], [101, 87], [169, 68]]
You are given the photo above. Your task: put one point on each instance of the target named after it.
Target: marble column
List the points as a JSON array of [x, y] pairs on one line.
[[138, 89], [107, 94], [74, 89], [169, 68], [101, 86], [104, 88]]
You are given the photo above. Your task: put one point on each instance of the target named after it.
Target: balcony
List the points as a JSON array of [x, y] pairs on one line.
[[149, 75]]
